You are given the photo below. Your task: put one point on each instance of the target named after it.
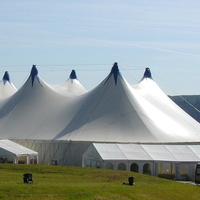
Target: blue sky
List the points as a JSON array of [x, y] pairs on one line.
[[89, 36]]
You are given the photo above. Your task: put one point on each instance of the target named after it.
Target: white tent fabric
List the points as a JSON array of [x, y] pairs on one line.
[[71, 87], [142, 152], [159, 112], [42, 116], [177, 160], [183, 153], [36, 111], [15, 148], [116, 112], [7, 88], [9, 148], [112, 112]]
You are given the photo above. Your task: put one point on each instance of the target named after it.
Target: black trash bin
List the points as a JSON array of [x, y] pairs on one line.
[[27, 178], [131, 180], [54, 162]]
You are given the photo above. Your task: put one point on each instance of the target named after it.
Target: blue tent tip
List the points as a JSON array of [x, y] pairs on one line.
[[73, 75], [34, 73], [147, 73], [6, 77], [115, 72]]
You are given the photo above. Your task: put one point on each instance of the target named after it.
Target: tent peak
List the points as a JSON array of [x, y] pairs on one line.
[[147, 73], [34, 73], [115, 68], [6, 77], [115, 72], [73, 75]]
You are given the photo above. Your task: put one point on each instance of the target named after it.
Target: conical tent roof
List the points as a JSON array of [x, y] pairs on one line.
[[114, 111], [7, 88], [161, 115], [107, 115], [71, 87], [25, 113], [117, 112]]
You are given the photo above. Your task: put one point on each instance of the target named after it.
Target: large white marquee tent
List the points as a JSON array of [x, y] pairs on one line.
[[63, 121]]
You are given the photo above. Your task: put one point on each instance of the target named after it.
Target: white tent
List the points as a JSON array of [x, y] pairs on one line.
[[116, 112], [62, 126], [112, 112], [15, 153], [71, 87], [140, 152], [27, 114], [127, 156], [7, 88]]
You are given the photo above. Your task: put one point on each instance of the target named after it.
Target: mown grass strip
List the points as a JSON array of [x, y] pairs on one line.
[[66, 182]]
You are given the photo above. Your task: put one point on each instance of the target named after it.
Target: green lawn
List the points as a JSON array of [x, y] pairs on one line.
[[64, 182]]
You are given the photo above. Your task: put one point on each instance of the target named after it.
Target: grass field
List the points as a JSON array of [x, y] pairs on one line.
[[64, 182]]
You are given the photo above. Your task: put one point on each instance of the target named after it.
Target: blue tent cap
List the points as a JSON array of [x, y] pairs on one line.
[[73, 75], [34, 73], [6, 77], [147, 73], [115, 72]]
